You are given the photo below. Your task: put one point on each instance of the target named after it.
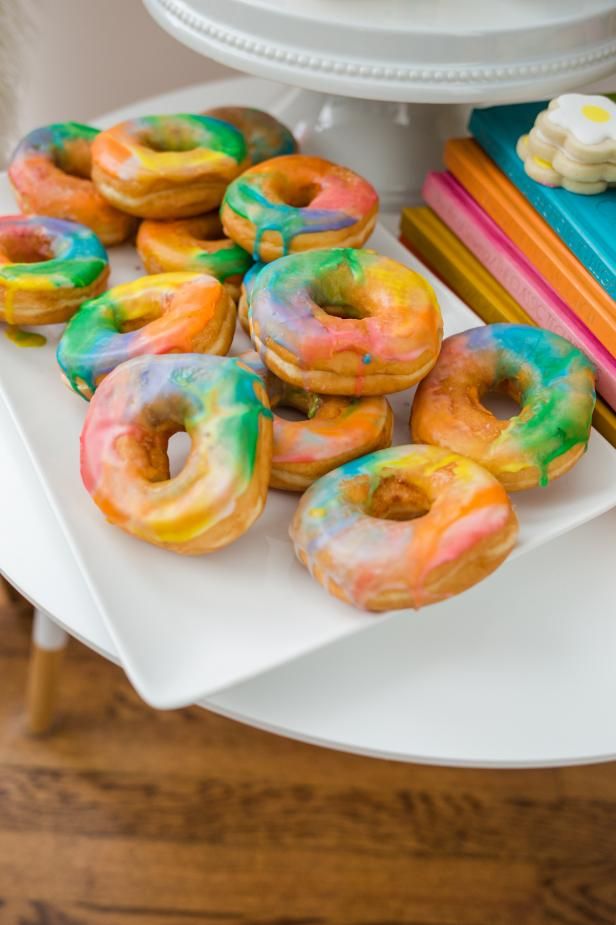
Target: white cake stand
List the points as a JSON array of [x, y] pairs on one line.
[[372, 71]]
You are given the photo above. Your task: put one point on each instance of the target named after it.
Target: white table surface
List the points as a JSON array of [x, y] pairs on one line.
[[372, 693]]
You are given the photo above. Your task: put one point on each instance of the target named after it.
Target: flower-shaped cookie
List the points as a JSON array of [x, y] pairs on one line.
[[573, 144]]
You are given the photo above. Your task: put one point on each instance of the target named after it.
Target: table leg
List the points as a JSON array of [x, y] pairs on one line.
[[48, 643]]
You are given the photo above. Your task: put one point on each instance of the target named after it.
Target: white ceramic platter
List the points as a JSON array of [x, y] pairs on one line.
[[188, 627]]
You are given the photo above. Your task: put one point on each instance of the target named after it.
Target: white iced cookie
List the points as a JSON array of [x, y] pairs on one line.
[[573, 144]]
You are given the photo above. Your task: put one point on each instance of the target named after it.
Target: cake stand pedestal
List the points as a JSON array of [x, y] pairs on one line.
[[379, 86]]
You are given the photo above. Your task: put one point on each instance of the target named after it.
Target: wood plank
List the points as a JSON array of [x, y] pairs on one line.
[[131, 817], [268, 883]]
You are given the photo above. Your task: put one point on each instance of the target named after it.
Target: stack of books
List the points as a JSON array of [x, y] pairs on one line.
[[520, 252]]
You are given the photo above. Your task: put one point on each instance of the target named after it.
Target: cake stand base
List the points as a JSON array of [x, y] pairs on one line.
[[391, 144]]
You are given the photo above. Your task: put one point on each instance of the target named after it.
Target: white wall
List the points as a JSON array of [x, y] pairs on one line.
[[84, 57]]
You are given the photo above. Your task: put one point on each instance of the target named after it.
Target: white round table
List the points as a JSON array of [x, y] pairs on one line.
[[372, 693]]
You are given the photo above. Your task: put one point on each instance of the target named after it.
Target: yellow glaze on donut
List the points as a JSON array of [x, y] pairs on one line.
[[48, 268], [222, 486], [345, 322], [403, 527], [167, 166], [193, 244]]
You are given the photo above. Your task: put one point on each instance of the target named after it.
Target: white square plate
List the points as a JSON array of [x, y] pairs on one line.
[[187, 627]]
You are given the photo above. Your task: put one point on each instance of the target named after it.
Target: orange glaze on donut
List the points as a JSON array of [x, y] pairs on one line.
[[403, 527], [298, 203], [50, 172], [345, 322], [336, 430], [167, 166], [193, 244]]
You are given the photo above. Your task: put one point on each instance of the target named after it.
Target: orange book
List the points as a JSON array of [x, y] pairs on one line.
[[542, 246]]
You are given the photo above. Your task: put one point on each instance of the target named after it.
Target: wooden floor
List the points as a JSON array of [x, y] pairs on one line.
[[130, 817]]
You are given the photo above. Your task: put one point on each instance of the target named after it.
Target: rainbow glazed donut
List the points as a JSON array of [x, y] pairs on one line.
[[551, 380], [245, 293], [51, 174], [404, 527], [167, 313], [222, 487], [264, 135], [47, 268], [167, 166], [336, 430], [298, 203], [345, 322], [194, 244]]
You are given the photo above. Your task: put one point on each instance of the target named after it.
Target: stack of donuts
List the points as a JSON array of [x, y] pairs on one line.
[[228, 218]]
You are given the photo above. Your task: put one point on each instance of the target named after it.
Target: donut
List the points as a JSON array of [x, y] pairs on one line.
[[193, 244], [167, 166], [245, 294], [298, 203], [264, 135], [336, 429], [167, 313], [222, 487], [404, 527], [345, 322], [50, 172], [551, 380], [48, 267]]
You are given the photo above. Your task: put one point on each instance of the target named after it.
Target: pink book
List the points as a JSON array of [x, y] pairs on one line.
[[515, 273]]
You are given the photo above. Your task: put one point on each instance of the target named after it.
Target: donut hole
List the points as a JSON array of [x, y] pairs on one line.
[[300, 196], [293, 404], [289, 413], [173, 137], [296, 195], [75, 159], [502, 401], [178, 448], [26, 247], [136, 315], [342, 310], [395, 498]]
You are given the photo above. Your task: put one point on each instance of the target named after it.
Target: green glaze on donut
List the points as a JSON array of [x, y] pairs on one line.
[[185, 132], [552, 381], [143, 402], [77, 256], [341, 198]]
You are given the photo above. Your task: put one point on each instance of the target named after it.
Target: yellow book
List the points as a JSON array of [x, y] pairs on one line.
[[425, 234]]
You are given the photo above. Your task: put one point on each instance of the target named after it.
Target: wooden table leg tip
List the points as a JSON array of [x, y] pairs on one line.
[[42, 691]]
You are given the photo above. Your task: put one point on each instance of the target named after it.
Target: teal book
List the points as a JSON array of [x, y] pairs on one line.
[[587, 224]]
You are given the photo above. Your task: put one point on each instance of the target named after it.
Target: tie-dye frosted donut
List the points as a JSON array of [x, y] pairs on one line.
[[167, 166], [166, 313], [48, 267], [551, 380], [345, 322], [264, 135], [297, 203], [336, 429], [221, 489], [403, 527], [245, 293], [51, 174], [193, 244]]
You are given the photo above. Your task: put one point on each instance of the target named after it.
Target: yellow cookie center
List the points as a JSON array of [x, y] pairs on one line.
[[596, 113], [541, 163]]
